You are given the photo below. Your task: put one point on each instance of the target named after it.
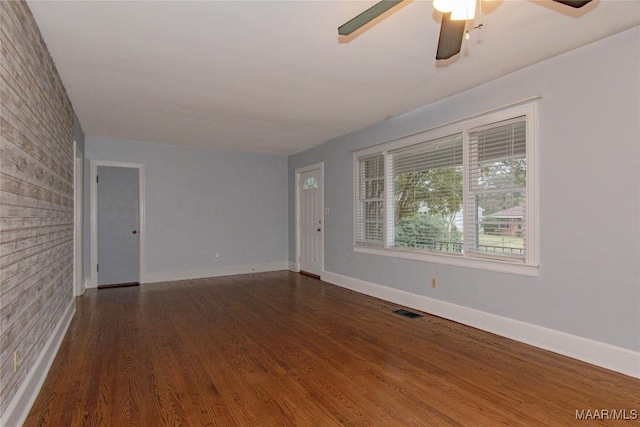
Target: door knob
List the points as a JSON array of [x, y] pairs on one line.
[[135, 232], [318, 229]]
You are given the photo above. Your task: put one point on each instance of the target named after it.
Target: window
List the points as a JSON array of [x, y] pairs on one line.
[[497, 189], [370, 208], [310, 184], [461, 194], [427, 195]]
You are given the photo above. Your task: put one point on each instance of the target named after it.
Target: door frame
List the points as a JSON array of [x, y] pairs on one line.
[[299, 172], [93, 214], [78, 209]]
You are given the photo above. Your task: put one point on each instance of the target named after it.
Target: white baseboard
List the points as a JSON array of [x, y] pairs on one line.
[[295, 267], [595, 352], [200, 273], [19, 407]]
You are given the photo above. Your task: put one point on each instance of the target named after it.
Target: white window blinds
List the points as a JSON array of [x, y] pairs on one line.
[[370, 201], [496, 204], [462, 194], [427, 195]]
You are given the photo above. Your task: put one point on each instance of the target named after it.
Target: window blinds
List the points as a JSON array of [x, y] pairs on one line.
[[370, 201], [427, 195], [435, 154], [496, 210]]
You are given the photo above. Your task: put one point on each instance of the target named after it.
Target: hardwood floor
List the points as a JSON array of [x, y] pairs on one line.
[[282, 349]]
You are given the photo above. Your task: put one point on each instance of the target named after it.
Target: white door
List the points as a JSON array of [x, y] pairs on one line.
[[310, 222]]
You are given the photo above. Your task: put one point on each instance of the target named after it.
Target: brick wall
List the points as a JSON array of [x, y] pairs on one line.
[[36, 189]]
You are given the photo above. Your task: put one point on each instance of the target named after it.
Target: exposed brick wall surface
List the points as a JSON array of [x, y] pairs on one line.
[[36, 190]]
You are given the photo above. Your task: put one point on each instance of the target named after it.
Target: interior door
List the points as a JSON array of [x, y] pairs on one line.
[[310, 222], [118, 225]]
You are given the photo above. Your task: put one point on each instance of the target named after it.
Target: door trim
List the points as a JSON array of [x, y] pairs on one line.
[[78, 209], [300, 171], [93, 215]]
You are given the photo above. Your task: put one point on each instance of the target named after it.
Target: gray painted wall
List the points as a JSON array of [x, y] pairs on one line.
[[589, 283], [200, 202]]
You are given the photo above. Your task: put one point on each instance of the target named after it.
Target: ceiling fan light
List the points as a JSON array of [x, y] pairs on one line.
[[464, 10], [444, 6]]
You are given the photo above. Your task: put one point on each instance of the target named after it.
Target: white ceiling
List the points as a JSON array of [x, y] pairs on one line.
[[273, 76]]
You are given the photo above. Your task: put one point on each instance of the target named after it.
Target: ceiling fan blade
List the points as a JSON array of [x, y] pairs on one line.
[[573, 3], [451, 33], [368, 15]]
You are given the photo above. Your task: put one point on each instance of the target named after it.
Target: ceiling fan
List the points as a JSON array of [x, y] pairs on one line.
[[454, 17]]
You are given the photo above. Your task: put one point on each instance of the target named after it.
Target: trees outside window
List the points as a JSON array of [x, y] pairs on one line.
[[465, 193]]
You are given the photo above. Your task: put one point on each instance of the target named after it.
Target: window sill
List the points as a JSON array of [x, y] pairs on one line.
[[456, 261]]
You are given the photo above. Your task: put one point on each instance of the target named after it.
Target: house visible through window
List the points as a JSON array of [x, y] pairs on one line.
[[497, 189], [462, 191]]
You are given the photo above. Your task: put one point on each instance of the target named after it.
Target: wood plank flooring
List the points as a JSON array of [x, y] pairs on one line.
[[282, 349]]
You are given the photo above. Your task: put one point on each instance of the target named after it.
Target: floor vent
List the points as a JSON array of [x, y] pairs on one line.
[[407, 313]]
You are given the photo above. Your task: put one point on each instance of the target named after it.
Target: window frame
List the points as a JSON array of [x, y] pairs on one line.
[[527, 267]]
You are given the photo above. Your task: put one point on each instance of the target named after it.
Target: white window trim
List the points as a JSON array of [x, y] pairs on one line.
[[530, 267]]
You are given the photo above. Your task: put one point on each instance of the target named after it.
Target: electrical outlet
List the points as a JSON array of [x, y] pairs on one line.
[[15, 361], [434, 282]]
